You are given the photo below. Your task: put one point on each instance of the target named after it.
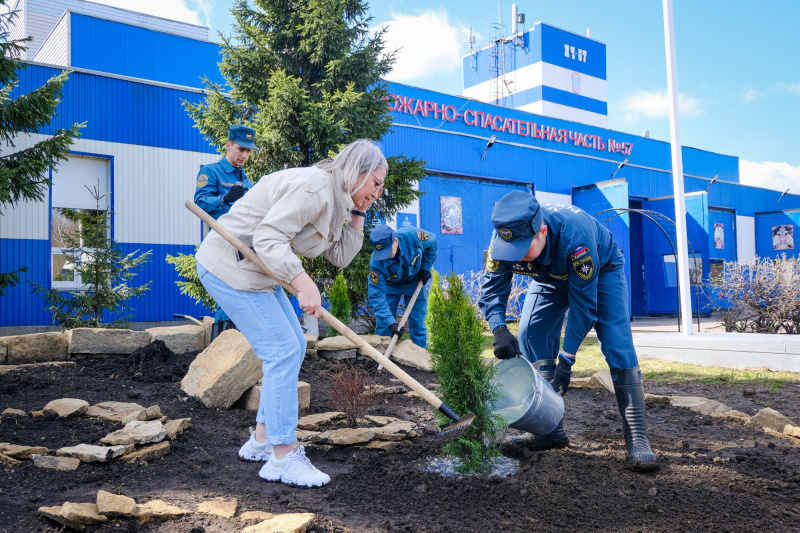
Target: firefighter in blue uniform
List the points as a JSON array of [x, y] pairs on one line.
[[400, 259], [220, 185], [574, 264]]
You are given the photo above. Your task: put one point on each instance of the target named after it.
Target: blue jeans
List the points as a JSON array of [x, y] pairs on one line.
[[270, 325]]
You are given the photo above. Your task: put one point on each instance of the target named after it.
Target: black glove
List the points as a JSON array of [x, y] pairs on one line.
[[397, 331], [563, 374], [424, 276], [236, 192], [505, 343]]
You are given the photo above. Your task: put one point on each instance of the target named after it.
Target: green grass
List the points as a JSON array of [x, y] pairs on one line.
[[590, 360]]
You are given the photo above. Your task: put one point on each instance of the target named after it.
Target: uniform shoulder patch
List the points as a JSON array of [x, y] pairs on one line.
[[491, 264], [373, 276], [421, 235], [582, 263], [202, 180]]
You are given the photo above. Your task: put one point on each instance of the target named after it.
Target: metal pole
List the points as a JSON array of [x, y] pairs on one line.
[[684, 286]]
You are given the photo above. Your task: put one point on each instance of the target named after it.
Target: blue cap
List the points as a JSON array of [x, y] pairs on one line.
[[243, 136], [382, 238], [517, 218]]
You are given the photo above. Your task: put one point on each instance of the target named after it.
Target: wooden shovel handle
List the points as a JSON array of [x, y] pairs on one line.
[[398, 372]]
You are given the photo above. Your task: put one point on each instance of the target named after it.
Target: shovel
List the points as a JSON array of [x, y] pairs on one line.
[[448, 433], [403, 320]]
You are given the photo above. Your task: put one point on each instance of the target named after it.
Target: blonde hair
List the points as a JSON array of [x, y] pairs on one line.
[[357, 161]]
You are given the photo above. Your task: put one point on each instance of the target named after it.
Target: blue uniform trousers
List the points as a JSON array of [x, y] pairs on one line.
[[543, 317], [416, 320]]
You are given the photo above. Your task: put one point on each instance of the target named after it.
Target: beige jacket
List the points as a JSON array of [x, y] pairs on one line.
[[302, 211]]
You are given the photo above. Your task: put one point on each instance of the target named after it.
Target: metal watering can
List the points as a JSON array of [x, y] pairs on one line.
[[525, 399]]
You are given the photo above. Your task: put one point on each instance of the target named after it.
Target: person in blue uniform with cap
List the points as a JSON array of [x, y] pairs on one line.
[[574, 264], [220, 185], [400, 260]]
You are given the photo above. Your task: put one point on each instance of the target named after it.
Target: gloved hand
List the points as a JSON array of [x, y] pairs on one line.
[[236, 192], [397, 331], [505, 343], [563, 374], [424, 276]]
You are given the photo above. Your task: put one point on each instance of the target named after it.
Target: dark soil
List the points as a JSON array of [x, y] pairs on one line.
[[715, 475]]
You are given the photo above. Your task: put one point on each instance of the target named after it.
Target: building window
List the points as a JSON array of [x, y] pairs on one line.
[[80, 206]]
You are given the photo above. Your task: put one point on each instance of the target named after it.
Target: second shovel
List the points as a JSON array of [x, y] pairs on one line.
[[403, 320]]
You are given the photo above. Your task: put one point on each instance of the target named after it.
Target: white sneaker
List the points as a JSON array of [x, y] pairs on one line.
[[294, 469], [252, 450]]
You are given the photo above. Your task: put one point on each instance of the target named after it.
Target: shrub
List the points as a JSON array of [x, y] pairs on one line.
[[350, 392], [455, 339], [340, 304]]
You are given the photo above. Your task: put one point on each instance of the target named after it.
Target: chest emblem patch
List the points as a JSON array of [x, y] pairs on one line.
[[373, 277], [582, 263], [202, 180]]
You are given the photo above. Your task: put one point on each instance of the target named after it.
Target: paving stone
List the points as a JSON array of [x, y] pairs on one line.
[[14, 412], [180, 339], [283, 523], [338, 355], [409, 354], [792, 430], [137, 432], [89, 453], [579, 383], [315, 421], [601, 380], [112, 411], [769, 418], [148, 453], [311, 341], [379, 445], [699, 404], [255, 515], [21, 452], [396, 431], [7, 460], [219, 507], [55, 463], [54, 513], [345, 436], [251, 399], [103, 341], [732, 415], [82, 513], [35, 348], [159, 510], [173, 428], [67, 407], [112, 505], [654, 398]]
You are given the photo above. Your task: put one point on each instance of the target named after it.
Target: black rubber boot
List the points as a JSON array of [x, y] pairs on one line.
[[630, 400], [556, 438], [220, 326]]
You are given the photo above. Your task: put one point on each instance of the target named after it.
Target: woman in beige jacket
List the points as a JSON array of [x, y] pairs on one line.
[[311, 211]]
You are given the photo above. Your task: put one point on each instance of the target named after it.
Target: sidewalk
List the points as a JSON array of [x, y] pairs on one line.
[[669, 324]]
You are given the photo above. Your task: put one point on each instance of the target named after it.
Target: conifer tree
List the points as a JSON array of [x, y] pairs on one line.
[[341, 307], [24, 173], [307, 76]]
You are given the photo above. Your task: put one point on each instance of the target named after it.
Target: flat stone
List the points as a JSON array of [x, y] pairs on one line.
[[579, 383], [115, 504], [221, 373], [601, 380], [311, 341], [145, 413], [792, 430], [180, 339], [82, 513], [283, 523], [7, 460], [54, 513], [137, 432], [159, 510], [67, 407], [208, 323], [55, 463], [338, 355], [22, 452], [35, 348], [101, 341], [251, 399], [5, 369], [148, 453], [219, 507], [381, 420], [378, 342], [310, 354], [345, 436], [3, 352], [699, 404], [37, 414], [379, 445], [89, 453], [173, 428], [379, 389], [255, 515], [732, 415], [315, 421], [409, 354], [304, 435], [781, 435], [769, 418], [396, 431], [652, 398], [334, 344], [15, 412], [112, 411]]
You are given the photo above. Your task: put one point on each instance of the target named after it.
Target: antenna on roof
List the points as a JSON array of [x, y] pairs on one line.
[[471, 44]]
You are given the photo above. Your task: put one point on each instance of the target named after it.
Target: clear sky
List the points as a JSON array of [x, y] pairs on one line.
[[738, 65]]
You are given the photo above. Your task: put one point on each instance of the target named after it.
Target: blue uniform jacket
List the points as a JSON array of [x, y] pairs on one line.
[[577, 248], [417, 251], [213, 182]]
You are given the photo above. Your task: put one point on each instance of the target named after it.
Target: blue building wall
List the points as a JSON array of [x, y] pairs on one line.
[[117, 48], [771, 244], [120, 111]]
